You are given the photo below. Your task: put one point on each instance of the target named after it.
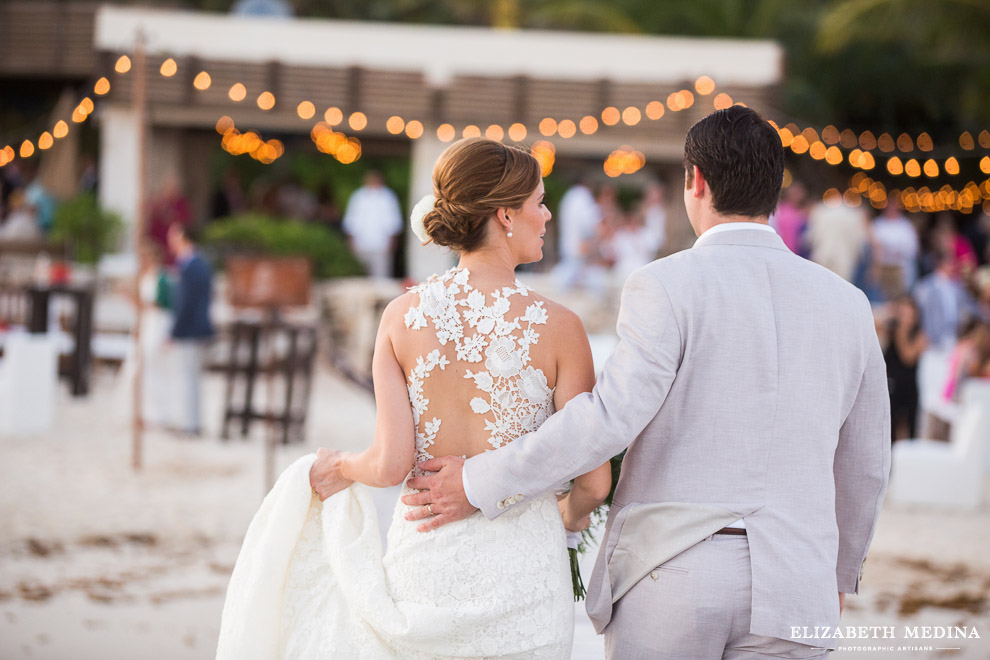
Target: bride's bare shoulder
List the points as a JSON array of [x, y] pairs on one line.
[[564, 327]]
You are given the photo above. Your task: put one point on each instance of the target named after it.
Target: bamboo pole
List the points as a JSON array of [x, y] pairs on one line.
[[140, 104]]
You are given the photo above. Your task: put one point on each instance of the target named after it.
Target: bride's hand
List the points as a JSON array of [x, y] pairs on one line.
[[325, 477], [572, 524]]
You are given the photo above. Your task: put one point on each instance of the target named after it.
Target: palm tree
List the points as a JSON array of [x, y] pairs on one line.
[[947, 33]]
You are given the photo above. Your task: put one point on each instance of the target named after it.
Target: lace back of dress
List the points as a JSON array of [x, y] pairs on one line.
[[491, 347]]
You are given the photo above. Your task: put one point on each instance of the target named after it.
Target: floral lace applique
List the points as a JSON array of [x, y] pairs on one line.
[[516, 399]]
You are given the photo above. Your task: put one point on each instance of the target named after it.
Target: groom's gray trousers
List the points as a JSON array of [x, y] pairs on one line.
[[696, 606]]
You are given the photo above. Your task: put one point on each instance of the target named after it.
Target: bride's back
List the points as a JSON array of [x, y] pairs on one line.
[[478, 368]]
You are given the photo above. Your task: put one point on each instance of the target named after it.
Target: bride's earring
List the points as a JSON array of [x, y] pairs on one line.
[[509, 235]]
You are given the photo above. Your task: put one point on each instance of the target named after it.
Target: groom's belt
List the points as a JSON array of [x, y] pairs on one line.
[[738, 531]]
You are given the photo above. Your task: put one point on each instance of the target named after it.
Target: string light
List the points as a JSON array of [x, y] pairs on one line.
[[517, 132], [589, 124], [414, 130], [224, 124], [611, 116], [168, 68], [545, 154], [237, 93], [358, 121], [306, 110], [446, 133], [333, 116], [202, 81], [631, 116], [395, 124], [800, 141], [654, 110], [266, 101], [624, 160], [722, 101], [27, 149], [704, 85]]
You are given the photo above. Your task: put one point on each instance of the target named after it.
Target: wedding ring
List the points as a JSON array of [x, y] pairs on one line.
[[429, 507]]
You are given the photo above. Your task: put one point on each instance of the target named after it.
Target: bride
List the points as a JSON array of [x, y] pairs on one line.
[[464, 363]]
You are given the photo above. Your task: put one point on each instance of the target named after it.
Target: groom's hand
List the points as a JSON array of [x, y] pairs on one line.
[[441, 498]]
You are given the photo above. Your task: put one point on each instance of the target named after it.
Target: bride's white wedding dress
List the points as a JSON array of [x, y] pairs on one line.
[[311, 582]]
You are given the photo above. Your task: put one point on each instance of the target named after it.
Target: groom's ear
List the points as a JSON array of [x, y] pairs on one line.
[[698, 190]]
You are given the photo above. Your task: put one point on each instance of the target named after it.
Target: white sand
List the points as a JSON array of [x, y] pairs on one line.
[[97, 561]]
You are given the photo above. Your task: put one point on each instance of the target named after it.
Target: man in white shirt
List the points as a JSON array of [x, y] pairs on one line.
[[837, 235], [372, 221], [579, 219], [895, 243]]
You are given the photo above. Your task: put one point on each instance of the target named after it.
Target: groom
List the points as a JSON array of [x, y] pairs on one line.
[[750, 389]]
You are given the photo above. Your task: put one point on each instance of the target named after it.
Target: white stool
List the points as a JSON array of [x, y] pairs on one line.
[[947, 474], [28, 378]]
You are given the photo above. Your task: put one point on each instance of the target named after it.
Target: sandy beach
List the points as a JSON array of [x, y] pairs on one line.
[[100, 562]]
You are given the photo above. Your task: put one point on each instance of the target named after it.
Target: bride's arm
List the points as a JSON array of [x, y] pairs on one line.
[[391, 455], [575, 375]]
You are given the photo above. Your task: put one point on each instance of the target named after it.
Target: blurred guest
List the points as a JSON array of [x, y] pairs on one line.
[[654, 216], [89, 179], [38, 198], [327, 211], [791, 218], [152, 303], [21, 223], [169, 208], [579, 219], [981, 283], [895, 251], [191, 327], [905, 341], [372, 220], [969, 359], [836, 235], [950, 242], [229, 199], [944, 304], [632, 247]]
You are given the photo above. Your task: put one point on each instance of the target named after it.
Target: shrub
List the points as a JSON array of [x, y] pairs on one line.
[[261, 234], [89, 230]]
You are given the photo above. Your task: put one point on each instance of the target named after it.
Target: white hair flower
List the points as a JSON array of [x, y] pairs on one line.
[[423, 206]]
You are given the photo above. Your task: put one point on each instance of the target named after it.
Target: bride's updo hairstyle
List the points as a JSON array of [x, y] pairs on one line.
[[473, 178]]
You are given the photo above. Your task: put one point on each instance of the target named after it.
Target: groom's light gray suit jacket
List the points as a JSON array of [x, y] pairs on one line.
[[750, 383]]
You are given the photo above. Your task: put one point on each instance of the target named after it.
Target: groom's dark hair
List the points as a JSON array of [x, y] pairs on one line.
[[741, 157]]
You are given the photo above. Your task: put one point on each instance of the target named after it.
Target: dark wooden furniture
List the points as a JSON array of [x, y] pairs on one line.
[[284, 354], [77, 366]]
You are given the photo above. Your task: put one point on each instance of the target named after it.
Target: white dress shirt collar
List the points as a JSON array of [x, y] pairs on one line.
[[732, 226]]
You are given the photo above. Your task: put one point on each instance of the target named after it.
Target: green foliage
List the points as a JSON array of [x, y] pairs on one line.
[[89, 230], [259, 234]]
